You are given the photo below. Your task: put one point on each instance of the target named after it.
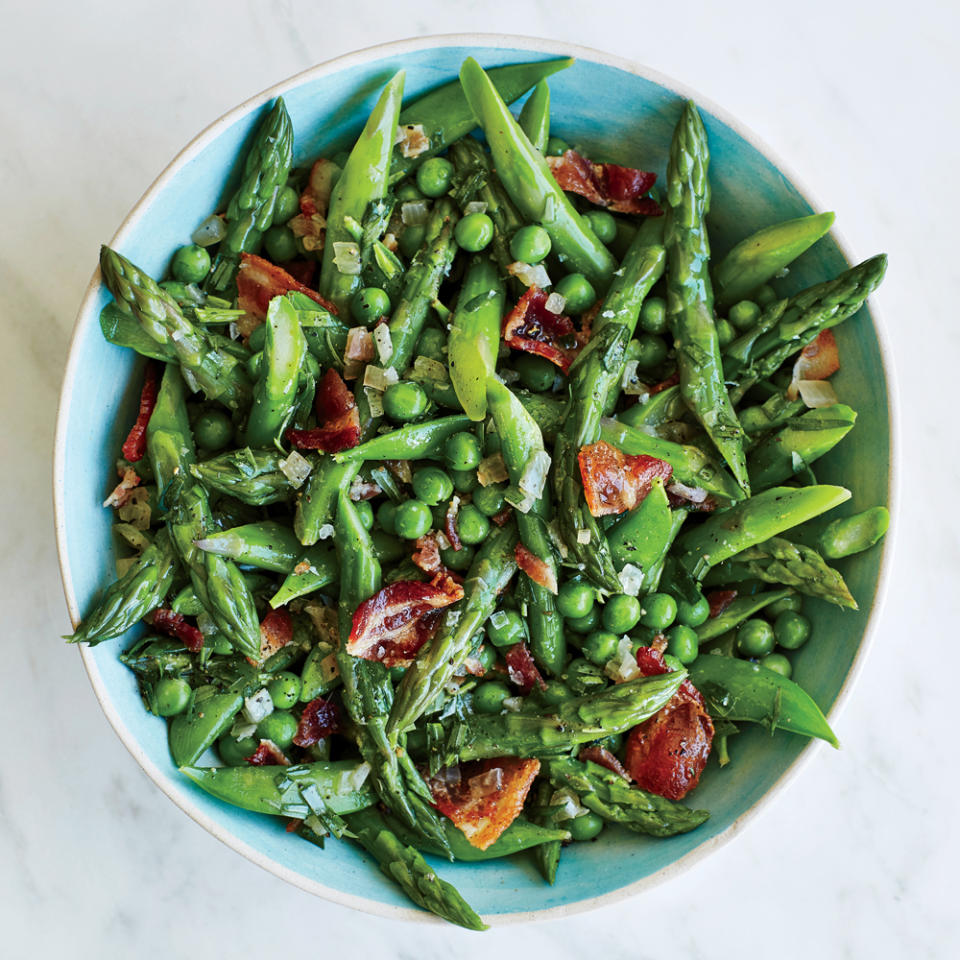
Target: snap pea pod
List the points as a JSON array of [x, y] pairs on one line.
[[475, 335], [530, 184], [737, 689], [267, 544], [320, 673], [661, 408], [363, 182], [317, 502], [446, 116], [753, 521], [779, 561], [741, 609], [438, 660], [414, 441], [691, 465], [218, 374], [690, 294], [762, 255], [208, 716], [275, 392], [140, 590], [640, 537], [806, 315], [798, 444], [312, 570], [654, 572], [422, 283], [251, 209], [535, 116], [521, 444], [546, 855], [775, 411], [405, 866], [546, 410], [591, 717], [850, 535], [341, 784], [610, 796], [252, 476]]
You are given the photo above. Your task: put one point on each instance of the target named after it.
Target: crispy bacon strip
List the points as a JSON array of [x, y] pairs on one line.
[[483, 797], [175, 625], [522, 670], [536, 569], [502, 518], [320, 719], [531, 327], [399, 619], [427, 553], [450, 524], [601, 755], [609, 185], [135, 446], [719, 600], [667, 753], [276, 631], [310, 225], [671, 381], [817, 361], [613, 481], [303, 271], [337, 411], [129, 478], [259, 281], [268, 754]]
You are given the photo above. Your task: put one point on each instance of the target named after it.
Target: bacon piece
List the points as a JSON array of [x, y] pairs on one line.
[[531, 327], [427, 553], [521, 669], [671, 381], [486, 796], [259, 281], [817, 361], [320, 719], [359, 345], [337, 411], [607, 185], [362, 490], [276, 631], [707, 505], [398, 620], [135, 446], [667, 753], [268, 754], [502, 518], [613, 481], [303, 271], [602, 756], [719, 600], [450, 524], [129, 478], [536, 569], [175, 625], [400, 469], [310, 225]]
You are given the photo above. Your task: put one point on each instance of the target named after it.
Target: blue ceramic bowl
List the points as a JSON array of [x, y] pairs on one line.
[[606, 106]]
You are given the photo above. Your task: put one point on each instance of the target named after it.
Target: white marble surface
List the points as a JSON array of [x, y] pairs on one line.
[[858, 857]]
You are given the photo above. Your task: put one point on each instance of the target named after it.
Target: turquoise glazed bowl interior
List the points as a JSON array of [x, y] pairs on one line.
[[608, 108]]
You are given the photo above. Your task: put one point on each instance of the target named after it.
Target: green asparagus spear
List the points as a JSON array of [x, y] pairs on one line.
[[267, 544], [313, 570], [850, 535], [252, 476], [317, 502], [535, 116], [546, 855]]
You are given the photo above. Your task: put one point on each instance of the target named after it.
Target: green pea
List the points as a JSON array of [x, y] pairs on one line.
[[387, 548], [792, 602], [505, 628], [778, 663], [284, 690], [764, 295], [412, 519], [600, 647], [603, 225], [280, 244], [651, 351], [258, 338], [432, 485], [411, 239], [725, 332], [753, 419], [585, 624], [621, 613], [578, 291], [404, 401], [584, 677], [693, 614], [213, 430], [191, 263], [486, 656], [408, 193], [585, 827], [434, 176], [234, 752], [792, 630], [489, 500], [557, 147], [536, 373], [432, 344], [488, 697], [659, 611], [387, 517], [755, 638], [682, 643], [473, 232], [370, 304], [365, 511], [464, 481], [458, 560], [462, 451], [472, 526], [744, 315], [557, 692], [576, 599], [287, 205], [530, 244], [279, 726], [653, 316], [173, 695]]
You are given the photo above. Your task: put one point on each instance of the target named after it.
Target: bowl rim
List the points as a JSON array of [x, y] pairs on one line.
[[355, 58]]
